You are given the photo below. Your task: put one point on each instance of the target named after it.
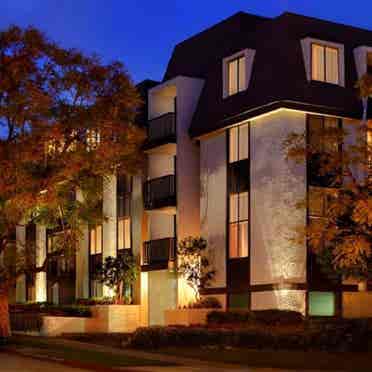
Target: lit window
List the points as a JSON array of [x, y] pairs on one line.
[[321, 304], [124, 232], [96, 240], [239, 143], [325, 63], [236, 75], [93, 139]]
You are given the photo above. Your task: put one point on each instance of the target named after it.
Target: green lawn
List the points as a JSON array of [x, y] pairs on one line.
[[279, 359], [42, 347]]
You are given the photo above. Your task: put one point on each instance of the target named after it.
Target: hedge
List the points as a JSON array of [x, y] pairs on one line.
[[45, 308], [338, 336], [267, 317]]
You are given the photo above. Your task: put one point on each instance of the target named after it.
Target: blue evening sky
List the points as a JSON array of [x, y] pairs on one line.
[[143, 33]]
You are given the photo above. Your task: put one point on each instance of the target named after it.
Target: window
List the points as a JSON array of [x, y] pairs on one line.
[[239, 191], [124, 232], [325, 63], [321, 304], [93, 139], [124, 195], [95, 240], [325, 143], [236, 72], [236, 75]]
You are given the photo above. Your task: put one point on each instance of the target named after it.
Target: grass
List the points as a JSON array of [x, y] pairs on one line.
[[45, 348], [278, 359]]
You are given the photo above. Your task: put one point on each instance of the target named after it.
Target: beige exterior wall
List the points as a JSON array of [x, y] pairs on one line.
[[161, 225], [162, 295], [213, 179], [276, 187], [283, 299], [160, 165]]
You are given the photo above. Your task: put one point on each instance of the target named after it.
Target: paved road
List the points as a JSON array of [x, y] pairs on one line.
[[17, 363]]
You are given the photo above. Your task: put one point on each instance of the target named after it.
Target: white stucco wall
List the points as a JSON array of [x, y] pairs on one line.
[[109, 225], [162, 295], [213, 202], [276, 187], [41, 251], [161, 225], [161, 100], [160, 165], [283, 299]]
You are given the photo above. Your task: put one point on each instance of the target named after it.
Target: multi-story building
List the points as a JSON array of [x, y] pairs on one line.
[[216, 167]]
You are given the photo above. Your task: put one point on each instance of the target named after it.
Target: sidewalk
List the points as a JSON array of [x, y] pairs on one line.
[[176, 363]]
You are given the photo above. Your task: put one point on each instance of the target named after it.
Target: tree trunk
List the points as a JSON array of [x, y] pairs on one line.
[[4, 314]]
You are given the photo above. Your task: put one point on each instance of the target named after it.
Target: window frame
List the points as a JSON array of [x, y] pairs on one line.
[[249, 55], [240, 223], [91, 227], [325, 47]]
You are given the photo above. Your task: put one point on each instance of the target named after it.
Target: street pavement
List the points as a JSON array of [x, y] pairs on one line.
[[10, 362]]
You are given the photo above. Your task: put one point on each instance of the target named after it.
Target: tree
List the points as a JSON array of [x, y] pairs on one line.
[[342, 240], [193, 265], [119, 274], [67, 121]]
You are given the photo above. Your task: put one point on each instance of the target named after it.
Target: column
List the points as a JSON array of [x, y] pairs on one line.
[[109, 223], [21, 245], [41, 252], [82, 260]]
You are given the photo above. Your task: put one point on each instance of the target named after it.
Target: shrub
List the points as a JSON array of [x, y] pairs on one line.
[[346, 336], [44, 308], [267, 317], [206, 303], [95, 301]]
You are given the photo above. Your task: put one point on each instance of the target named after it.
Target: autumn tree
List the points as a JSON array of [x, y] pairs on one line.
[[67, 121], [339, 161]]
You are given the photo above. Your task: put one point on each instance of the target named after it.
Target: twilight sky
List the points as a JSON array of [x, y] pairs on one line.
[[143, 33]]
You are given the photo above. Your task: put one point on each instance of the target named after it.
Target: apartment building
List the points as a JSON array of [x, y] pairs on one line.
[[216, 167]]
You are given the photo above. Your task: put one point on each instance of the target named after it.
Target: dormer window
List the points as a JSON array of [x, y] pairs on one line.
[[237, 72], [324, 63], [236, 75]]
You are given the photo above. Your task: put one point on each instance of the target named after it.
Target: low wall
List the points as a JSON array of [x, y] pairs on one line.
[[56, 325], [105, 319], [187, 317], [357, 304]]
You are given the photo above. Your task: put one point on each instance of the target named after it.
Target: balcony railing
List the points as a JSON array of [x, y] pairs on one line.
[[160, 192], [60, 267], [159, 251], [162, 130]]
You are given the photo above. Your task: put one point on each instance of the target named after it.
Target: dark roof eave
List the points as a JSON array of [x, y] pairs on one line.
[[272, 106]]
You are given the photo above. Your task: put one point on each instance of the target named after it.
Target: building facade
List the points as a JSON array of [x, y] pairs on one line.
[[217, 122]]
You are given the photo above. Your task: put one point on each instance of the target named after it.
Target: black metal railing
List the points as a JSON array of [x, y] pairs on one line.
[[162, 129], [159, 251], [160, 192], [60, 267]]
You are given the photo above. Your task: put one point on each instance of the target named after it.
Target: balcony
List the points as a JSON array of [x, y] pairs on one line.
[[161, 131], [157, 254], [160, 193]]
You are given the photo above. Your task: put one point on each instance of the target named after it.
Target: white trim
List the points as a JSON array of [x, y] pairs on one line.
[[360, 57], [249, 58], [306, 52]]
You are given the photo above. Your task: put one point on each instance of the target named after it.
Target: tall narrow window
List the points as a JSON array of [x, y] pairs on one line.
[[236, 75], [239, 191], [124, 194], [96, 240], [325, 63]]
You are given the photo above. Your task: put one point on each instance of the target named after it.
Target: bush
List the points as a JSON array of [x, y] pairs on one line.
[[45, 308], [346, 336], [96, 301], [206, 303], [266, 317]]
